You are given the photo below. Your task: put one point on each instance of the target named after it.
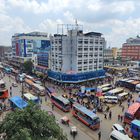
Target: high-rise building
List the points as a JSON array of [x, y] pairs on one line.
[[29, 46], [76, 56], [131, 49]]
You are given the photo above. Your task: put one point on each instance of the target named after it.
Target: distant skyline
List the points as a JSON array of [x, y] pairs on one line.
[[117, 20]]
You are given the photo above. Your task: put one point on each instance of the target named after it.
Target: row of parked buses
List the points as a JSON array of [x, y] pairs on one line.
[[111, 95], [133, 85]]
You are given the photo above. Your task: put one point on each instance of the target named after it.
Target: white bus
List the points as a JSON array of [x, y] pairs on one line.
[[30, 97], [123, 96], [115, 91], [39, 90], [138, 88], [110, 99], [105, 85]]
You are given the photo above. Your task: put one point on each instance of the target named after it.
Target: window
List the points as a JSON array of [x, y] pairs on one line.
[[85, 49], [91, 49], [113, 138], [80, 42], [79, 49], [86, 42], [96, 49]]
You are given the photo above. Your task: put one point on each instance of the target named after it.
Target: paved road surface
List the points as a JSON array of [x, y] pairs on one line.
[[85, 133]]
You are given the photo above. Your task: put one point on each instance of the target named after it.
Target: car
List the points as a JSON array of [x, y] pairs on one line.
[[119, 128], [14, 84]]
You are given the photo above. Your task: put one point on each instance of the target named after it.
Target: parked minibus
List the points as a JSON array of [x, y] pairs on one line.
[[116, 135], [123, 96], [39, 90], [115, 91], [86, 116], [30, 97], [61, 102], [110, 99]]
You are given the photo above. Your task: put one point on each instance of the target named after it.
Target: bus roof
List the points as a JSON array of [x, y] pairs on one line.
[[29, 96], [138, 85], [135, 82], [133, 108], [105, 85], [41, 88], [124, 79], [129, 81], [106, 88], [19, 102], [64, 100], [115, 90], [123, 94], [29, 81], [29, 77], [136, 122], [84, 110]]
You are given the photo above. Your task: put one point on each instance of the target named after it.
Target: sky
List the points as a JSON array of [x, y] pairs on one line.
[[117, 20]]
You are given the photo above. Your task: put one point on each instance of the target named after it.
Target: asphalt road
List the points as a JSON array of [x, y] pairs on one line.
[[84, 133], [16, 91]]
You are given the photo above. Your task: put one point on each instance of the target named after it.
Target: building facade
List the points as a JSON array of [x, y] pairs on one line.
[[131, 49], [76, 56], [29, 46], [108, 54], [3, 50]]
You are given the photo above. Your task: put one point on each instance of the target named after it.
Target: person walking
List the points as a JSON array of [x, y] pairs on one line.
[[99, 135], [119, 117], [11, 91], [52, 106], [110, 115], [105, 116], [122, 108]]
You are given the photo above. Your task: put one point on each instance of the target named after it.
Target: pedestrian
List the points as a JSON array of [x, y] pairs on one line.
[[105, 116], [52, 106], [119, 117], [128, 104], [99, 135], [122, 108], [41, 100], [110, 115]]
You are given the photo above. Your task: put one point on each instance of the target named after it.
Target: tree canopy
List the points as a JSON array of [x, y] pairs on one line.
[[27, 66], [31, 123]]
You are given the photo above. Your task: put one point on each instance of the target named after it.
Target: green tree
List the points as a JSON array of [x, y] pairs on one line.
[[27, 66], [31, 123]]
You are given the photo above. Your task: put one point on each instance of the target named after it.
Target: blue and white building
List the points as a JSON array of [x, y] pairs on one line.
[[30, 46], [76, 56]]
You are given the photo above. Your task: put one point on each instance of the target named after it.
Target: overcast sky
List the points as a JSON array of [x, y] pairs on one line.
[[116, 19]]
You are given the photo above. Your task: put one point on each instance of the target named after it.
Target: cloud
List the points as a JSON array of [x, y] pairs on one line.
[[116, 19]]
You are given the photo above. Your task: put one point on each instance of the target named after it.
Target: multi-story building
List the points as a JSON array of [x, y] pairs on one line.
[[76, 56], [3, 50], [131, 49], [108, 55], [28, 46]]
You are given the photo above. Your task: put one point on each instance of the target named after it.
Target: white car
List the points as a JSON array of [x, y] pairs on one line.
[[119, 128]]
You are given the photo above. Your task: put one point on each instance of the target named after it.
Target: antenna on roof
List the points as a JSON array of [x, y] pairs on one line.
[[76, 23]]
